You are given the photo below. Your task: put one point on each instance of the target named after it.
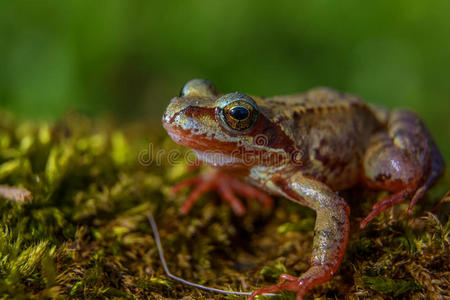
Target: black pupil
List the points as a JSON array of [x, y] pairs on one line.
[[239, 113]]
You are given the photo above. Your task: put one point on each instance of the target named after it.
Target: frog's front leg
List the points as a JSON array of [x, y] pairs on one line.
[[330, 232], [403, 159]]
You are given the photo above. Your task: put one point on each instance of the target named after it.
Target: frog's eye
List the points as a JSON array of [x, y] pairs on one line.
[[239, 111], [199, 88]]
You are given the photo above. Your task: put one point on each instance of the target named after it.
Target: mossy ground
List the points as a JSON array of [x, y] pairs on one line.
[[85, 234]]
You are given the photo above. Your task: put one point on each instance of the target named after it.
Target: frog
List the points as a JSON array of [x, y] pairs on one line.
[[307, 148]]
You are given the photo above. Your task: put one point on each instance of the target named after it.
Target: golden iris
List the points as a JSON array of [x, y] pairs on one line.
[[240, 115]]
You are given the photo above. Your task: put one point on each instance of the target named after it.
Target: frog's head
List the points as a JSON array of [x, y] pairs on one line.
[[226, 130]]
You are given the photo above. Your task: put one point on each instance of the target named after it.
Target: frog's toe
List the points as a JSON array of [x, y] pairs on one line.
[[300, 285], [185, 183], [386, 203], [229, 187], [293, 286], [226, 192], [249, 192], [286, 277], [435, 172], [203, 186]]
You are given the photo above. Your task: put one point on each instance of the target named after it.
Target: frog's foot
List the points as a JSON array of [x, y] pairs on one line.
[[414, 193], [226, 185], [15, 194], [315, 275], [384, 204]]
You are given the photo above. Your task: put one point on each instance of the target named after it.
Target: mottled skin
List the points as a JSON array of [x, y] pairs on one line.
[[305, 148]]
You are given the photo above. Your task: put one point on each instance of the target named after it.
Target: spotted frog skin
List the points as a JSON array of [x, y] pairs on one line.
[[304, 148]]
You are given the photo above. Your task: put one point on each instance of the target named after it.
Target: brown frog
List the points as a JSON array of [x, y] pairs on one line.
[[304, 148]]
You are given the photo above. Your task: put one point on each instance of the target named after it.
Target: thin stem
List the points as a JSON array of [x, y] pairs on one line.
[[152, 222]]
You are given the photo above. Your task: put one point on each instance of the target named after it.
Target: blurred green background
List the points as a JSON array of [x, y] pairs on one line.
[[128, 58]]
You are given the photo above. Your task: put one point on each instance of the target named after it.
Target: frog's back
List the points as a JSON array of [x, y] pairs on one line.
[[331, 128], [315, 101]]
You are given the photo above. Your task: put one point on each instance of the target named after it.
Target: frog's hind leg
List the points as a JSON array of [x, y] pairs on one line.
[[403, 159], [436, 170]]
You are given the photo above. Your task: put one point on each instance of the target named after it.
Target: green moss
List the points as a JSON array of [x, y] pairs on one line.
[[390, 286], [273, 270], [85, 233]]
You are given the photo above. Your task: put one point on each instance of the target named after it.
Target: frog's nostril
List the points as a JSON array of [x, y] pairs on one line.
[[167, 118]]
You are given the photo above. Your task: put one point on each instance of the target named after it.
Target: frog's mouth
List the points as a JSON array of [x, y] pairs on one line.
[[186, 138], [212, 152], [217, 159]]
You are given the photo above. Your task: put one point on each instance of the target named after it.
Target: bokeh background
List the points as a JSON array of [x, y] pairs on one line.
[[128, 58]]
